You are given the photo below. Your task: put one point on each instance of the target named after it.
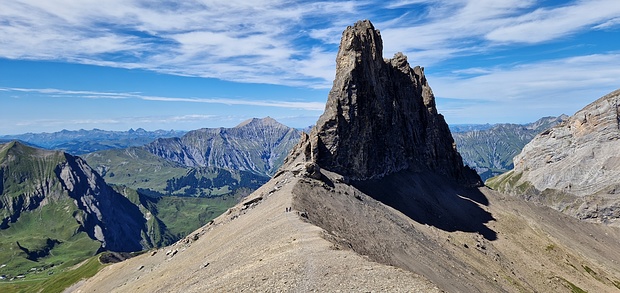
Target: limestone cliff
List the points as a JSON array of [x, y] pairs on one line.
[[380, 117], [573, 167]]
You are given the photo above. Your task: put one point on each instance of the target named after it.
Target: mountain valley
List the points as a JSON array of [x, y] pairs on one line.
[[489, 149], [57, 211]]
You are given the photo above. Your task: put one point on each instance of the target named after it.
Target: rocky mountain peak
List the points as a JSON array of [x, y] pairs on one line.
[[267, 121], [380, 117]]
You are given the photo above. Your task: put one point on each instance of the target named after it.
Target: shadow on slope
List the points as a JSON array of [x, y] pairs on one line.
[[363, 217], [432, 200]]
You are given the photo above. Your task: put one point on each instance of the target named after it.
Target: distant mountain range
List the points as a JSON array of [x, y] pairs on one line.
[[489, 149], [256, 145], [208, 162], [86, 141]]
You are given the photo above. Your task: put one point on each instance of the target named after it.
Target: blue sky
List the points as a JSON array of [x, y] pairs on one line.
[[120, 64]]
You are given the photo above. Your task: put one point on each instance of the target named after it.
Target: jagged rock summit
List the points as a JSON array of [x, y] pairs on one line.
[[573, 167], [380, 117]]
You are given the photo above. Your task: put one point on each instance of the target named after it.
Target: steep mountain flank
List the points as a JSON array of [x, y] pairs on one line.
[[54, 209], [397, 218], [256, 145], [490, 151], [573, 167], [33, 178]]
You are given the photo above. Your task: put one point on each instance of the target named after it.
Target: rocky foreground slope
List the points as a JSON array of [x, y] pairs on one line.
[[573, 167], [403, 216]]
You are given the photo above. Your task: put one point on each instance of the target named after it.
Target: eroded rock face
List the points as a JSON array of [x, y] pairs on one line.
[[107, 216], [380, 117], [575, 166]]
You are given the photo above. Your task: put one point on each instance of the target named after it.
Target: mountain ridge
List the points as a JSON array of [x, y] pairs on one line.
[[380, 117], [79, 142]]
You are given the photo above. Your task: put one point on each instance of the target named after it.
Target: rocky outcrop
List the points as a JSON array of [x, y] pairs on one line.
[[107, 216], [256, 145], [573, 167], [380, 117]]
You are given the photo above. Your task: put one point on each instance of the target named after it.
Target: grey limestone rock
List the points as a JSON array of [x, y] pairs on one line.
[[573, 167], [107, 215]]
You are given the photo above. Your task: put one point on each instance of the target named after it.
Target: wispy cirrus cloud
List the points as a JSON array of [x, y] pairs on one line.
[[447, 29], [133, 120], [231, 40], [524, 93], [276, 41], [309, 106]]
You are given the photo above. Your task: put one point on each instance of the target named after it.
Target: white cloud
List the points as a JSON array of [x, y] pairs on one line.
[[295, 42], [232, 40], [546, 24], [309, 106], [277, 41], [609, 24], [528, 91]]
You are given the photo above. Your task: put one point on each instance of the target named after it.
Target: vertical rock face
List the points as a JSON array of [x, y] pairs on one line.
[[107, 215], [380, 117]]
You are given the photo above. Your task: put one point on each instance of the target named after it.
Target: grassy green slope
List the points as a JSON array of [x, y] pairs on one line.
[[135, 168], [141, 170], [51, 237], [39, 232], [57, 282]]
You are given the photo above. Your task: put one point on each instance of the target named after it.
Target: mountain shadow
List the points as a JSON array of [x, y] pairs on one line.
[[432, 200]]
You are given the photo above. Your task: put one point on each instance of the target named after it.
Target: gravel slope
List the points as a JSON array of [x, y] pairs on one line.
[[258, 249]]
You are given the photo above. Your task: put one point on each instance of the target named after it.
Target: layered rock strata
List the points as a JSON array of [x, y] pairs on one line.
[[573, 167]]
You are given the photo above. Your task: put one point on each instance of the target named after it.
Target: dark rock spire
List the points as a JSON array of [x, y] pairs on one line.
[[380, 117]]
